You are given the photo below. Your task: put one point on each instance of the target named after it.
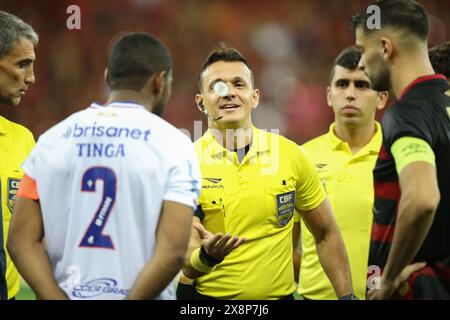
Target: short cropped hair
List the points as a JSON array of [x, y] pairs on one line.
[[12, 29], [440, 58], [348, 58], [406, 15], [223, 53], [134, 59]]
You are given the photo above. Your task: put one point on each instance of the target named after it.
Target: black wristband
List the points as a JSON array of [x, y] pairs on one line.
[[350, 296], [207, 259]]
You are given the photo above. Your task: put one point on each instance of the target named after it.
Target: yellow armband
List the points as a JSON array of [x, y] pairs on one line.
[[197, 264], [407, 150]]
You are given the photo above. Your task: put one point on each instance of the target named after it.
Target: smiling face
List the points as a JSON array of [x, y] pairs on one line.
[[372, 61], [233, 110], [16, 72], [353, 101]]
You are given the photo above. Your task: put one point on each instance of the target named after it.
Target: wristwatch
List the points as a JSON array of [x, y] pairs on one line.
[[350, 296]]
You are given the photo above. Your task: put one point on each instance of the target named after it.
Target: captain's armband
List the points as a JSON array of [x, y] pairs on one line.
[[407, 150]]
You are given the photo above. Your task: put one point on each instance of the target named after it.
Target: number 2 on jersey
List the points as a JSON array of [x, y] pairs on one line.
[[94, 237]]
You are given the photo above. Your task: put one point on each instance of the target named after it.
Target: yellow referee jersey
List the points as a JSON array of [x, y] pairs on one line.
[[348, 182], [255, 199], [16, 143]]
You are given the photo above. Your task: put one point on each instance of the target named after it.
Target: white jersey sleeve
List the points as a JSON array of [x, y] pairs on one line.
[[29, 165], [184, 176]]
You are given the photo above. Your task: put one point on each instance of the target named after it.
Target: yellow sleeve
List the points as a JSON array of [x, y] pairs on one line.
[[297, 217], [31, 141], [309, 189], [407, 150]]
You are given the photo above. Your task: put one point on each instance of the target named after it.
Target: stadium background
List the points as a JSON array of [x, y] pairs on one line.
[[290, 44]]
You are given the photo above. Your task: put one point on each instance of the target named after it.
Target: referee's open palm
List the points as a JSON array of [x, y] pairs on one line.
[[217, 245]]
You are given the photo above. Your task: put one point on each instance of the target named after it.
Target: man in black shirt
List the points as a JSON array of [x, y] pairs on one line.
[[440, 58], [411, 178]]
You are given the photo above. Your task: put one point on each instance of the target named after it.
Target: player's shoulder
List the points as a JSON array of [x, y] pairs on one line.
[[201, 141], [284, 144], [169, 132], [171, 142], [403, 107], [14, 127], [316, 143], [404, 112], [61, 129]]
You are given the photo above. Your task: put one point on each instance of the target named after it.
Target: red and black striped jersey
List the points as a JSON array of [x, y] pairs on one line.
[[421, 112]]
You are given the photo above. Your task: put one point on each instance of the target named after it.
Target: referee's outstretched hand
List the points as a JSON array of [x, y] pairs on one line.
[[217, 245]]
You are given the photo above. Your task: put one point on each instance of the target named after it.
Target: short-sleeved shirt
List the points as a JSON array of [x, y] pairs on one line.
[[421, 112], [348, 182], [255, 199], [16, 143], [101, 177]]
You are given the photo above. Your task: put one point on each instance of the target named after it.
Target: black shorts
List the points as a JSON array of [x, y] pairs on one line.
[[198, 296]]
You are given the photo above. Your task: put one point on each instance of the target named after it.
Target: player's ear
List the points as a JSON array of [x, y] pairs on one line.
[[105, 76], [329, 96], [382, 98], [199, 102], [159, 82], [255, 98], [387, 48]]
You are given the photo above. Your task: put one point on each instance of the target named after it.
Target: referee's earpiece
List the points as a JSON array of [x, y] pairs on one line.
[[205, 112], [202, 107]]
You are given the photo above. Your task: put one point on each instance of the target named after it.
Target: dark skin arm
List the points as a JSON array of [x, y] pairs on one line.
[[172, 238], [419, 200], [27, 250]]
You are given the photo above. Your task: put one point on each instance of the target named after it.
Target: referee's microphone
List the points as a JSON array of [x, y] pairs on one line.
[[213, 119], [206, 112]]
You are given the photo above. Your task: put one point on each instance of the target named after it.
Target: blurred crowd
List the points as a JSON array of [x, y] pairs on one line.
[[290, 45]]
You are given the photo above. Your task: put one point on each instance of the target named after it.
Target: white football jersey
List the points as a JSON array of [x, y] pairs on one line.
[[102, 175]]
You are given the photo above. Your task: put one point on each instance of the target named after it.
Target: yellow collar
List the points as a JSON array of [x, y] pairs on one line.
[[372, 147], [260, 143], [3, 125]]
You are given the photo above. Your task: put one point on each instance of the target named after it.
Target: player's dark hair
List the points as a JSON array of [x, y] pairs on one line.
[[222, 53], [407, 15], [440, 58], [348, 58], [134, 59]]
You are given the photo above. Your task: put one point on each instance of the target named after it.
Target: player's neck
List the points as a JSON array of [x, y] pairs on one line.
[[233, 138], [129, 96], [356, 137], [407, 69]]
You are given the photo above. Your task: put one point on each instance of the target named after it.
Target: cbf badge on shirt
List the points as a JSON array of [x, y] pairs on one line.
[[13, 187], [285, 207]]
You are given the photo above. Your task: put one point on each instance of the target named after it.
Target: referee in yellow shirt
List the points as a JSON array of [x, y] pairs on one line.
[[252, 183], [345, 158], [17, 42]]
